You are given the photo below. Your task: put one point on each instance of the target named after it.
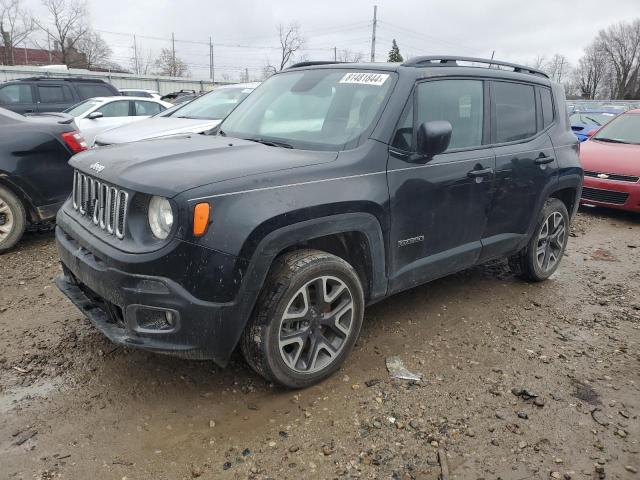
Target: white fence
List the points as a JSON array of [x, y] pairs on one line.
[[120, 80]]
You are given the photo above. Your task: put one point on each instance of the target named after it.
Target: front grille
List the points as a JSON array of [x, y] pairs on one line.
[[612, 176], [104, 204], [605, 196]]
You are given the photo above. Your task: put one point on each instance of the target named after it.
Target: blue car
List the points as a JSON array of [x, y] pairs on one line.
[[583, 121]]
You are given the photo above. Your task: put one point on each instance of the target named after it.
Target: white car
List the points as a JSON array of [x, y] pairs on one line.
[[96, 115], [140, 92], [196, 116]]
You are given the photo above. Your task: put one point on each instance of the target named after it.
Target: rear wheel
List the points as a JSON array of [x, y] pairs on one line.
[[307, 319], [12, 219], [541, 257]]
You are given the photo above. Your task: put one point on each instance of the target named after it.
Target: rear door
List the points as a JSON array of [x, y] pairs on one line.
[[439, 206], [526, 166]]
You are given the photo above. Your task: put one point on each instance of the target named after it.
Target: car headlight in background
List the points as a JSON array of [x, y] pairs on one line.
[[160, 217]]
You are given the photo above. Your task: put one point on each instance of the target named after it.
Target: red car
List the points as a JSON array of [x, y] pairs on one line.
[[611, 162]]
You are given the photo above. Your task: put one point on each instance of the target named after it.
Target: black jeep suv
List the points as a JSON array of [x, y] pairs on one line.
[[329, 188]]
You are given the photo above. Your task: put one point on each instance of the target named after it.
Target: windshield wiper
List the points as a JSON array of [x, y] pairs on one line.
[[610, 140], [271, 143], [593, 120]]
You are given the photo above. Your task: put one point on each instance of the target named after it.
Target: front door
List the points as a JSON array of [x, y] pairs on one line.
[[439, 206]]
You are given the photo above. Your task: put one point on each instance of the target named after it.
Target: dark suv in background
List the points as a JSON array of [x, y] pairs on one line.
[[329, 188], [45, 94]]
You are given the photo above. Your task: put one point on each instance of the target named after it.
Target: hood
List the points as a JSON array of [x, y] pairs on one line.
[[170, 166], [154, 127], [623, 159]]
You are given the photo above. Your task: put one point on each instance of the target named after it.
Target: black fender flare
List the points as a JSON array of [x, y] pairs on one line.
[[280, 239]]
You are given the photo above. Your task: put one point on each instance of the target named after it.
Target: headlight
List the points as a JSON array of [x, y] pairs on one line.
[[160, 217]]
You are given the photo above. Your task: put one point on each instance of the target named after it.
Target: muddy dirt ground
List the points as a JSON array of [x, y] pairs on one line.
[[519, 381]]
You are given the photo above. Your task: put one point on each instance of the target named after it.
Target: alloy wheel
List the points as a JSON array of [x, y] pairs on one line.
[[6, 220], [316, 324], [551, 240]]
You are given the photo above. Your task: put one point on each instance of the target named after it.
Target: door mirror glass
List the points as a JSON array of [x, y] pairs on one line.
[[95, 115], [434, 137]]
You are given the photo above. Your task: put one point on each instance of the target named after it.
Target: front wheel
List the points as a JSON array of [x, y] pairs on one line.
[[306, 320], [541, 257], [12, 219]]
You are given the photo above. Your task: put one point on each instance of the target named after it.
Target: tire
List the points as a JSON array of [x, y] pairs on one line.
[[13, 219], [542, 255], [289, 319]]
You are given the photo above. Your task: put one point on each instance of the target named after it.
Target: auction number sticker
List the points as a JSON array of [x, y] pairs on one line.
[[376, 79]]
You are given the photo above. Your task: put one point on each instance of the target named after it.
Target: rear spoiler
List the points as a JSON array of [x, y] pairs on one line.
[[63, 118]]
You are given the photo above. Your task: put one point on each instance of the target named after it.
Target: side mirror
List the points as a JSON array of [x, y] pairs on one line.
[[95, 115], [592, 132], [434, 137]]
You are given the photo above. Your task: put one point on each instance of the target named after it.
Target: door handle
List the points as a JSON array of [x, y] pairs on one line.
[[544, 160], [485, 172]]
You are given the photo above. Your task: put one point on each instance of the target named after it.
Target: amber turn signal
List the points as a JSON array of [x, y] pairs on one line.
[[200, 219]]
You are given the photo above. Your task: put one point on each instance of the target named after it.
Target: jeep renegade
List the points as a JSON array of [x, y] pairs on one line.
[[331, 187]]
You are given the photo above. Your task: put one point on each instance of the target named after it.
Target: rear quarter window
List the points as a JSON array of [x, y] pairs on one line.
[[547, 107]]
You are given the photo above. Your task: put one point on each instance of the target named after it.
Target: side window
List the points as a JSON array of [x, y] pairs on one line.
[[515, 111], [51, 93], [459, 102], [547, 107], [119, 108], [90, 90], [147, 108], [17, 93]]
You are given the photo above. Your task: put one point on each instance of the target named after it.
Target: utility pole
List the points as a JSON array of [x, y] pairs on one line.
[[49, 47], [173, 54], [373, 33], [211, 71], [335, 54], [135, 54], [246, 74]]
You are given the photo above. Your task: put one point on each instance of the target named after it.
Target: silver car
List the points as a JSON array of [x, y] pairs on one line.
[[196, 116]]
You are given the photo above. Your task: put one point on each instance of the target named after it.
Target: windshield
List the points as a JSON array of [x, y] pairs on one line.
[[323, 109], [624, 129], [214, 105], [82, 107], [592, 118]]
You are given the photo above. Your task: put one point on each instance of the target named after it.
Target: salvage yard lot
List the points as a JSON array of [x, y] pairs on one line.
[[74, 406]]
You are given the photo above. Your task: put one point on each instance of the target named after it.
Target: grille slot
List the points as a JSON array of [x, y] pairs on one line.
[[605, 196], [612, 176], [104, 204]]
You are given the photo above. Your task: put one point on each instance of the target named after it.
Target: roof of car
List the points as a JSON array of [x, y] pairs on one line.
[[441, 65], [596, 110], [122, 97]]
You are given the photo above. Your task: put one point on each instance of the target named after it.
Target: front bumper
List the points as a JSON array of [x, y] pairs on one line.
[[611, 193], [147, 312]]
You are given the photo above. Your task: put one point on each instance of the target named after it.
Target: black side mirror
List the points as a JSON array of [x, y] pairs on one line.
[[434, 137]]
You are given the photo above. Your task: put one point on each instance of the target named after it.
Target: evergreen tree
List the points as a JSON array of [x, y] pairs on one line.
[[394, 53]]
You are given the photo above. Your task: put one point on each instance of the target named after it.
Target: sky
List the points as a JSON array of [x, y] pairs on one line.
[[244, 32]]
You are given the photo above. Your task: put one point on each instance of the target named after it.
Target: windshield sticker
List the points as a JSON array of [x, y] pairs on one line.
[[376, 79]]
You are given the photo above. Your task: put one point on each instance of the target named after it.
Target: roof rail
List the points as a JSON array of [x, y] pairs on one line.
[[452, 61], [57, 79], [311, 64]]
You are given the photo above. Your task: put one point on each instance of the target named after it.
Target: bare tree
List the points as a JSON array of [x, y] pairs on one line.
[[291, 40], [145, 62], [349, 56], [539, 62], [69, 25], [95, 50], [557, 68], [621, 43], [16, 26], [591, 71], [170, 65]]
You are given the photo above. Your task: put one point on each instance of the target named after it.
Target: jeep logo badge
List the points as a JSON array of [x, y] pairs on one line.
[[97, 167]]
